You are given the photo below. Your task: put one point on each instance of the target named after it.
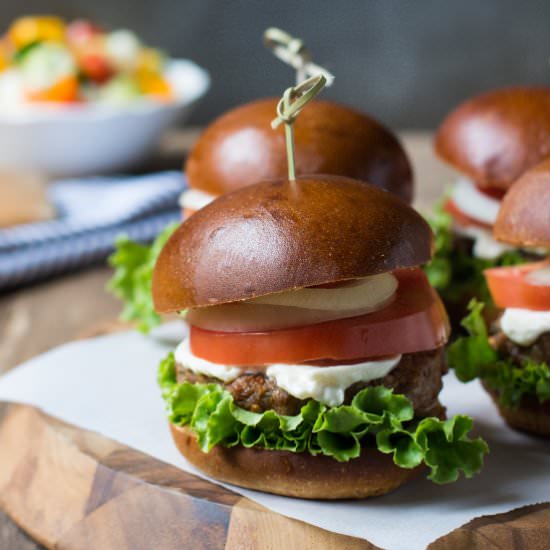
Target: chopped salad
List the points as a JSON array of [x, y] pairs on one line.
[[44, 59]]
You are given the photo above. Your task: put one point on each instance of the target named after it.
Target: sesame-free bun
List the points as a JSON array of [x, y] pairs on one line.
[[495, 137], [298, 475], [240, 148], [283, 235], [529, 416], [524, 215]]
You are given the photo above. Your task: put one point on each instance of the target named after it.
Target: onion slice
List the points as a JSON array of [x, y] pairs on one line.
[[369, 293], [299, 307]]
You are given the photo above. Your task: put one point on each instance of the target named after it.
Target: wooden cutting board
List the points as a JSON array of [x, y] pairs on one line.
[[72, 489]]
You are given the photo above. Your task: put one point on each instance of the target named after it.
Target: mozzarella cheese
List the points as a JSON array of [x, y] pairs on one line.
[[193, 199], [184, 356], [324, 384], [475, 204], [328, 384], [524, 326], [485, 246]]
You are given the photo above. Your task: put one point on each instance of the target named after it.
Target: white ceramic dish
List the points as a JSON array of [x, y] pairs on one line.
[[95, 138]]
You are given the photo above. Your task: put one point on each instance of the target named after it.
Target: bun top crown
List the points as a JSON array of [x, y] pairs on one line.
[[240, 148], [524, 216], [494, 137], [282, 235]]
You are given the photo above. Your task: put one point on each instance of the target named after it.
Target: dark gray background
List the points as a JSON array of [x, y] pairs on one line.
[[405, 61]]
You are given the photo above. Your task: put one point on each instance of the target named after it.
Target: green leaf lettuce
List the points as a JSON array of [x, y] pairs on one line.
[[132, 279], [473, 357], [376, 417], [453, 272]]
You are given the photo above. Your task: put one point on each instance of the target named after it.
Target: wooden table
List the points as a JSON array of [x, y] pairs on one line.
[[37, 318]]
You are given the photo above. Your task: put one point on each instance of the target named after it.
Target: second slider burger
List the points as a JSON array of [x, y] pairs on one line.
[[315, 354], [491, 140], [512, 357]]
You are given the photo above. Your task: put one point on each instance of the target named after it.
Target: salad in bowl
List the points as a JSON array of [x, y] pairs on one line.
[[78, 99]]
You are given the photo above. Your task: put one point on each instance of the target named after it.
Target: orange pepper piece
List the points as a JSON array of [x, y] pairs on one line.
[[64, 91]]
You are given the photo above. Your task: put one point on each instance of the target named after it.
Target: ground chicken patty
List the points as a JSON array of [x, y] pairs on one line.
[[417, 375], [539, 351]]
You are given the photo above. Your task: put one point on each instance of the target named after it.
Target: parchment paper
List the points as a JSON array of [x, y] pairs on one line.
[[108, 384]]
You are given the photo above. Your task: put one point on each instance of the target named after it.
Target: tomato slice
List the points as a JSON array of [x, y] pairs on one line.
[[492, 192], [415, 321], [461, 218], [511, 287]]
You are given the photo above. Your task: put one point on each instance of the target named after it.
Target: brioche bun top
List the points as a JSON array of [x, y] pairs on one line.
[[282, 235], [495, 137], [524, 216], [240, 148]]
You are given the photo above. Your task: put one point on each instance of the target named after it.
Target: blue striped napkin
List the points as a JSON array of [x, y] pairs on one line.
[[92, 212]]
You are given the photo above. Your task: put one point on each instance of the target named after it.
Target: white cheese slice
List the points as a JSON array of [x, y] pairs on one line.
[[475, 204], [524, 326], [328, 384], [193, 199], [486, 247], [184, 356], [324, 384]]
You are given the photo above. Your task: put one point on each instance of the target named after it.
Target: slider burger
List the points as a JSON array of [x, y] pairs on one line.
[[491, 140], [513, 361], [316, 347]]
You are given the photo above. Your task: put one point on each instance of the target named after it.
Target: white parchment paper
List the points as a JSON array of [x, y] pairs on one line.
[[108, 384]]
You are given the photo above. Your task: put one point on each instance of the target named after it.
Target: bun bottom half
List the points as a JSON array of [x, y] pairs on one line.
[[299, 475], [530, 416]]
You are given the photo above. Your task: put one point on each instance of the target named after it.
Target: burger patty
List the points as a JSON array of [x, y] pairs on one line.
[[539, 351], [417, 375]]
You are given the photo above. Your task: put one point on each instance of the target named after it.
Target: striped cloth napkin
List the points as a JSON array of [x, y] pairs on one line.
[[91, 213]]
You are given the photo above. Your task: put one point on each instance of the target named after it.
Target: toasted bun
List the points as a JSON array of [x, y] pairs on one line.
[[277, 236], [298, 475], [524, 216], [240, 148], [531, 416], [493, 138]]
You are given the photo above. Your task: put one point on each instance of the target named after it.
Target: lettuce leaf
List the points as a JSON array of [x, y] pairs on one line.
[[132, 279], [453, 272], [472, 357], [513, 383], [376, 417]]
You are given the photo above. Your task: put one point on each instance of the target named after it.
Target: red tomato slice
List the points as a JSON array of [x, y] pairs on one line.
[[461, 218], [492, 192], [510, 287], [96, 67], [415, 321]]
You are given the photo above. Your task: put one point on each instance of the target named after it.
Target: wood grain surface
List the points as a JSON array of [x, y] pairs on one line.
[[72, 489], [102, 483]]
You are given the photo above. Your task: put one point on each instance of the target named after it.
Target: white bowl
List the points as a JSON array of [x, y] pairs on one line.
[[96, 138]]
